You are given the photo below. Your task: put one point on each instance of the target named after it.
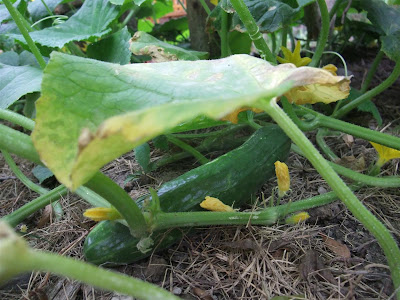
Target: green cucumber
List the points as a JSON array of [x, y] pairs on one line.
[[233, 178]]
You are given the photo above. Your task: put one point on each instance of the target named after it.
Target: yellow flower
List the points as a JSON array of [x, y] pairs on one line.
[[233, 116], [24, 228], [294, 57], [297, 218], [282, 173], [214, 204], [215, 2], [102, 213], [385, 153]]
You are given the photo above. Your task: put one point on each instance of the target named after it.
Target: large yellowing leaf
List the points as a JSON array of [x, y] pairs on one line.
[[91, 112]]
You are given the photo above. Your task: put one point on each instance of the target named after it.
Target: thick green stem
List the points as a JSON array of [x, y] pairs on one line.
[[370, 222], [224, 34], [95, 276], [371, 72], [324, 33], [253, 30], [18, 119], [31, 207], [370, 94], [189, 219], [122, 202], [200, 157], [18, 19], [21, 176], [17, 257], [18, 143]]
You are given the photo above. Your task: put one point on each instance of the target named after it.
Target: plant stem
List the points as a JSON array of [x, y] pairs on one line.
[[284, 33], [323, 36], [205, 6], [162, 220], [20, 23], [200, 157], [253, 30], [224, 34], [370, 222], [18, 119], [370, 94], [371, 72], [31, 207], [47, 8], [18, 143], [323, 146], [18, 257], [358, 131], [21, 176], [91, 197], [385, 182], [128, 17], [334, 8], [122, 202]]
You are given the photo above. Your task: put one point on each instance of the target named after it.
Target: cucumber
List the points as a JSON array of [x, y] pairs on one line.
[[233, 178]]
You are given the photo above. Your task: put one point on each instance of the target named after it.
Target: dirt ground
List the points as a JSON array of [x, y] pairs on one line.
[[330, 256]]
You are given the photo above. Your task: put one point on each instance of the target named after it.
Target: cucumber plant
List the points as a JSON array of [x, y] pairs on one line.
[[95, 106]]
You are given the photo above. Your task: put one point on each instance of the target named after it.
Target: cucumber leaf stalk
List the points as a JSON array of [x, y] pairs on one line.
[[344, 193], [17, 257]]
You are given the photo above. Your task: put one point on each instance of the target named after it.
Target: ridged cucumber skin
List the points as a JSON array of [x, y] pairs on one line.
[[232, 178]]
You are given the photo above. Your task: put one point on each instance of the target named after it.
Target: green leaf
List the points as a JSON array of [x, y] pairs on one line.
[[42, 173], [91, 112], [145, 44], [161, 142], [91, 21], [114, 48], [142, 155], [37, 10], [16, 81], [369, 106], [270, 15], [239, 42]]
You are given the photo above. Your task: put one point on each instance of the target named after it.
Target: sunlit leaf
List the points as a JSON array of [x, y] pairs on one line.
[[91, 21], [91, 112], [145, 44]]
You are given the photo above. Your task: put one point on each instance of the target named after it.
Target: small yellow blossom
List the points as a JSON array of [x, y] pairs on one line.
[[214, 204], [24, 228], [215, 2], [385, 153], [102, 213], [233, 116], [331, 69], [293, 58], [282, 173], [297, 218]]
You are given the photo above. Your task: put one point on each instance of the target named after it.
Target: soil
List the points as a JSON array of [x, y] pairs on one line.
[[329, 256]]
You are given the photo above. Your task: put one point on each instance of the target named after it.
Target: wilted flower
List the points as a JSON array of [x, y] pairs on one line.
[[214, 204], [385, 153], [294, 58], [102, 213], [282, 173]]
